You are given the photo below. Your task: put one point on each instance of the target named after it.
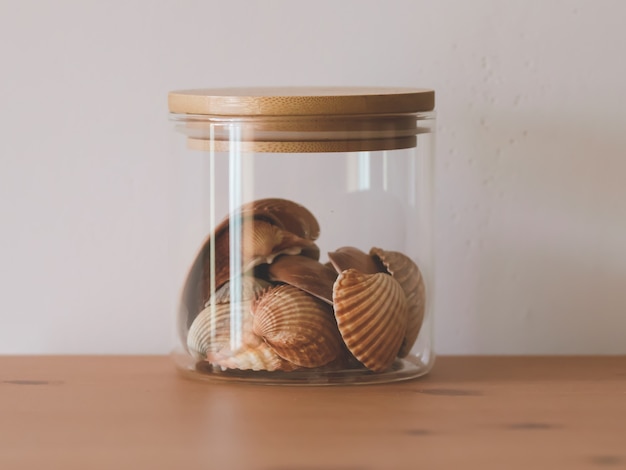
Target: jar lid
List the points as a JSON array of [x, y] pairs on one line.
[[299, 119], [298, 101]]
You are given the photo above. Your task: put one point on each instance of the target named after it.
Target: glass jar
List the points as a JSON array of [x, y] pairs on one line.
[[305, 238]]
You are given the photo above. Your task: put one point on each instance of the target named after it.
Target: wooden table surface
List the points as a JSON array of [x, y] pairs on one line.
[[471, 412]]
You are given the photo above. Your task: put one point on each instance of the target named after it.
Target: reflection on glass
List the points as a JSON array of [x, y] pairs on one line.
[[359, 171]]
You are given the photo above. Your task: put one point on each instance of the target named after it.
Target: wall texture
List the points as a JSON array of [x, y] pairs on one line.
[[531, 171]]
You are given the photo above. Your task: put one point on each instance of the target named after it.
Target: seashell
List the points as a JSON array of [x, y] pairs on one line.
[[261, 357], [260, 242], [371, 313], [306, 274], [408, 275], [297, 326], [349, 257], [345, 360], [210, 338], [286, 214], [248, 287], [210, 331]]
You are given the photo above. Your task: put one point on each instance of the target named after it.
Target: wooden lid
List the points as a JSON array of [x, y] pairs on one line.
[[297, 119], [298, 101]]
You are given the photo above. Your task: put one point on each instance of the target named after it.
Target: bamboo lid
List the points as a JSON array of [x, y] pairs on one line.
[[297, 101], [297, 119]]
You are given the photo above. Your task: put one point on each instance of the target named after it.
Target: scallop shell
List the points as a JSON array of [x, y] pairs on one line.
[[408, 275], [306, 274], [350, 257], [297, 326], [210, 338], [371, 313]]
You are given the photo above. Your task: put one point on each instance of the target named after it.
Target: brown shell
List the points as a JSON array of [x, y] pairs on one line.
[[209, 339], [210, 331], [284, 213], [260, 357], [408, 275], [371, 314], [345, 360], [350, 257], [297, 326], [261, 242], [306, 274], [249, 287]]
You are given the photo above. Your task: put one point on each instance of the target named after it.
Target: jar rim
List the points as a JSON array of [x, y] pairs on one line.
[[304, 134]]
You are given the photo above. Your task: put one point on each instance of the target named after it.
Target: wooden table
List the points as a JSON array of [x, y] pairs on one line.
[[471, 412]]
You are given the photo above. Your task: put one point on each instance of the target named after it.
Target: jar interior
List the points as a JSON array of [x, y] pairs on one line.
[[362, 200]]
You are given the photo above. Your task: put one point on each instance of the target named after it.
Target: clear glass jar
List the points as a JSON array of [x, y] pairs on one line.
[[305, 234]]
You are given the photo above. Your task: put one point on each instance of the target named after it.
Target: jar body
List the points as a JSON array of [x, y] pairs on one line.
[[302, 267]]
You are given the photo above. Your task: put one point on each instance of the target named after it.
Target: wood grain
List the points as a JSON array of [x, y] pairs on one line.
[[298, 101], [301, 119], [470, 412], [305, 146]]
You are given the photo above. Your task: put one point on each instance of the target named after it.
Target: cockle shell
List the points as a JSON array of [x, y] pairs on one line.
[[261, 357], [306, 274], [350, 257], [345, 360], [210, 332], [371, 313], [210, 338], [264, 242], [297, 326], [286, 214], [247, 289], [408, 275], [260, 243]]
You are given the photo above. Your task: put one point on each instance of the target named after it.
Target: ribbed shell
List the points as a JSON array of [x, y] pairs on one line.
[[349, 257], [287, 214], [297, 326], [209, 339], [371, 313], [408, 275], [306, 274], [261, 242], [250, 286], [260, 357]]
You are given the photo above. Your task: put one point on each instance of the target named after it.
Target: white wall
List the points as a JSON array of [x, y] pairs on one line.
[[531, 156]]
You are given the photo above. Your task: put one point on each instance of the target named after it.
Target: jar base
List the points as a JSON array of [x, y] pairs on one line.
[[401, 369]]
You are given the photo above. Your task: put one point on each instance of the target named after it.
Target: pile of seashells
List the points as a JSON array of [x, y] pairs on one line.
[[272, 306]]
